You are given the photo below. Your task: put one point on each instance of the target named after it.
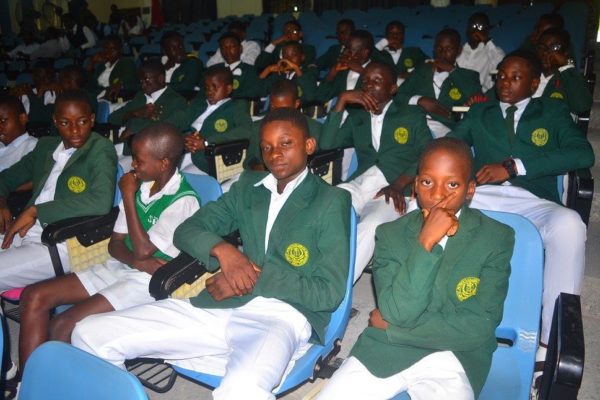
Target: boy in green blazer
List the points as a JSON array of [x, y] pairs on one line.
[[182, 72], [560, 79], [212, 119], [73, 175], [258, 314], [343, 29], [292, 32], [388, 138], [441, 277], [245, 76], [440, 85], [393, 51], [521, 144]]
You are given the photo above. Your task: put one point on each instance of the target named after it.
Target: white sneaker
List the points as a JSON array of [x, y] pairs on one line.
[[12, 371]]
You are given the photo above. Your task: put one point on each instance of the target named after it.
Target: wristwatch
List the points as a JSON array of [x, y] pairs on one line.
[[510, 167]]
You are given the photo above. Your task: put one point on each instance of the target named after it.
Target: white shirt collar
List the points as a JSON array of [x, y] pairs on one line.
[[218, 103], [170, 187], [270, 182], [153, 98], [520, 106], [234, 65], [61, 150], [17, 142], [444, 240]]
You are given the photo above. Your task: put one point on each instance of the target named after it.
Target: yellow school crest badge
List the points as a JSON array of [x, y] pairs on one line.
[[115, 81], [236, 84], [296, 254], [455, 94], [221, 125], [401, 135], [299, 91], [467, 287], [409, 63], [557, 95], [539, 137], [76, 184], [181, 77]]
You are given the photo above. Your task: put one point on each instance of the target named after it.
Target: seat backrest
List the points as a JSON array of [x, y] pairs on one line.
[[57, 370], [117, 190], [102, 112], [206, 186]]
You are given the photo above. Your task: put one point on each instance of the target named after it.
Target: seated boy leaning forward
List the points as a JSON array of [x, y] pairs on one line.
[[73, 175], [13, 132], [441, 277], [388, 138], [156, 200], [260, 312], [521, 145]]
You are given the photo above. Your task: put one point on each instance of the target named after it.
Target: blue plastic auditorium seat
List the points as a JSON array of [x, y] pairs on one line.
[[206, 186]]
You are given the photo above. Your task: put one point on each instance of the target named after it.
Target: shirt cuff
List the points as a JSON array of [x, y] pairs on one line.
[[521, 171], [270, 48], [414, 100]]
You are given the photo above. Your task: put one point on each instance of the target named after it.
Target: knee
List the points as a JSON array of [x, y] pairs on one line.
[[61, 327], [565, 224], [34, 298]]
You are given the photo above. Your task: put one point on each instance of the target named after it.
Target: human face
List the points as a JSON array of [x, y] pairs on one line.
[[285, 150], [442, 174], [12, 124], [395, 37], [285, 101], [515, 81], [173, 49], [547, 48], [145, 165], [151, 81], [112, 51], [74, 121], [343, 32], [216, 89], [231, 50], [377, 82], [356, 51], [292, 54], [292, 32], [446, 49]]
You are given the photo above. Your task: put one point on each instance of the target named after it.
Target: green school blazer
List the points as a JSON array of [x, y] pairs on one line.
[[403, 137], [125, 72], [306, 262], [188, 75], [443, 300], [411, 57], [456, 90], [170, 101], [547, 142], [329, 58], [85, 187], [328, 90], [570, 86]]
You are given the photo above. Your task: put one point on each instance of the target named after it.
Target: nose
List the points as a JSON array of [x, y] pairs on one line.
[[74, 129], [438, 192]]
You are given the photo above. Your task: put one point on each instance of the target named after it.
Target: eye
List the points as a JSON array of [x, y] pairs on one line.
[[453, 185], [82, 122], [265, 148], [426, 182]]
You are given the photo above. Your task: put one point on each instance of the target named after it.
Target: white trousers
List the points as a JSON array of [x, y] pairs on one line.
[[27, 260], [372, 213], [562, 231], [252, 346], [437, 376]]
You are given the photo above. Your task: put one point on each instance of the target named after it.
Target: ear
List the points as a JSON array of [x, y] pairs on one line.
[[164, 164], [535, 82], [93, 118], [471, 189], [394, 88], [297, 104], [229, 89], [311, 145], [23, 119]]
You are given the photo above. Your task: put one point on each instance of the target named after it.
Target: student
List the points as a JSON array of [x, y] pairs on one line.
[[343, 30], [155, 102], [39, 97], [480, 52], [345, 74], [182, 73], [245, 77], [291, 66], [438, 86], [560, 79], [259, 313], [111, 72], [544, 22], [156, 200], [211, 118], [250, 49], [392, 49], [284, 94], [441, 277], [74, 77], [292, 32], [73, 175], [388, 138], [521, 145], [13, 132]]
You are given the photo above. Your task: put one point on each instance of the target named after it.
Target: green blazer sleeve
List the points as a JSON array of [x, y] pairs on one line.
[[327, 90], [329, 58], [125, 72], [117, 117], [187, 75], [333, 135], [19, 173], [570, 86], [265, 59], [307, 84]]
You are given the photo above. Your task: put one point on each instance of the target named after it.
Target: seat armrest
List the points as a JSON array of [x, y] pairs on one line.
[[183, 269], [86, 229], [581, 192]]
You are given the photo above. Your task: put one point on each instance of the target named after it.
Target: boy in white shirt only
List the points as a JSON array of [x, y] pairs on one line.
[[13, 133]]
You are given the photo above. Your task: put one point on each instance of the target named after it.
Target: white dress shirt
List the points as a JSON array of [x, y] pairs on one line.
[[169, 72], [250, 51], [197, 124], [104, 77], [9, 155], [483, 59], [352, 77], [61, 156]]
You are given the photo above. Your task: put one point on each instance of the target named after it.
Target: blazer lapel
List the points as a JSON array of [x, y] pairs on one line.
[[261, 198], [468, 222], [532, 113]]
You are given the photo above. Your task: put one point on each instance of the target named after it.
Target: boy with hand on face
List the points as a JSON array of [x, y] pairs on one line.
[[388, 138], [258, 314], [73, 175], [343, 29], [441, 277], [521, 144], [13, 132], [438, 86], [392, 50], [292, 32]]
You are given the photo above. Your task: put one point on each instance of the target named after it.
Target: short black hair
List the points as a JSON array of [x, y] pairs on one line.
[[291, 115], [170, 35], [295, 23], [153, 65], [292, 43], [230, 35], [284, 87], [385, 67], [561, 34], [166, 141], [77, 72], [73, 96], [12, 103], [346, 21], [394, 23], [365, 37], [449, 32], [556, 20], [532, 60], [221, 71], [452, 145], [480, 16], [237, 25]]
